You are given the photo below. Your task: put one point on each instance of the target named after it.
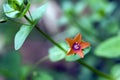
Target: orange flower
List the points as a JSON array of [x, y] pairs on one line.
[[76, 45]]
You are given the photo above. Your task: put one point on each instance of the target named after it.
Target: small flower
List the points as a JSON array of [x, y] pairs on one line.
[[77, 45]]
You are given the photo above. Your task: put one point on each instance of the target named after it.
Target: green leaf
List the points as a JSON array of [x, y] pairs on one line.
[[21, 35], [109, 48], [9, 11], [26, 29], [38, 13], [56, 54], [68, 6], [112, 27], [2, 15], [115, 72], [76, 57]]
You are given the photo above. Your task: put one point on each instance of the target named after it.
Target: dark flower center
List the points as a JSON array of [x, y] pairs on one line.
[[76, 46]]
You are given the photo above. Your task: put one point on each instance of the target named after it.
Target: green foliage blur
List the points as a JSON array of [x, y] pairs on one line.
[[97, 21]]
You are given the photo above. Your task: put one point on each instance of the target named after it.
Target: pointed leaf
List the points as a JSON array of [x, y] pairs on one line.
[[38, 13], [25, 29], [22, 35]]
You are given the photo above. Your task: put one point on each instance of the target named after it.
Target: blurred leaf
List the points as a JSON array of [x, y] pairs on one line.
[[20, 2], [24, 71], [5, 72], [9, 11], [109, 48], [21, 35], [67, 6], [72, 31], [110, 8], [2, 15], [76, 57], [87, 26], [62, 21], [112, 27], [42, 76], [11, 59], [79, 7], [10, 65], [101, 78], [115, 72], [101, 10], [56, 54]]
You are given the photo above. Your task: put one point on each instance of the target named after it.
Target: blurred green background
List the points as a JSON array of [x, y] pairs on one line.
[[97, 20]]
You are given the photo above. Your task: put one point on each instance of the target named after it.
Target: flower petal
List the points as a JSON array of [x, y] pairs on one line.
[[80, 53], [70, 52], [69, 41], [78, 38], [84, 45]]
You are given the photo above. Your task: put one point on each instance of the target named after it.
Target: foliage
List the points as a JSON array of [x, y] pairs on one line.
[[109, 48], [96, 20]]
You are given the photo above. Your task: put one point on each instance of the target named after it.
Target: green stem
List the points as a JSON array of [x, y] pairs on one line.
[[45, 35], [81, 62], [36, 64], [50, 39], [30, 15], [95, 70], [41, 60], [29, 20]]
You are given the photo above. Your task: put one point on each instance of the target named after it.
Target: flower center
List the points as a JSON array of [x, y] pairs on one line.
[[76, 46]]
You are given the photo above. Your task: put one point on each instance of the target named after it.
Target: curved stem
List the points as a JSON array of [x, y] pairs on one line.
[[37, 63], [41, 60], [30, 15]]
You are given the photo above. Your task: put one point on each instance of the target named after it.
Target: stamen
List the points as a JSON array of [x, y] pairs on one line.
[[76, 46]]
